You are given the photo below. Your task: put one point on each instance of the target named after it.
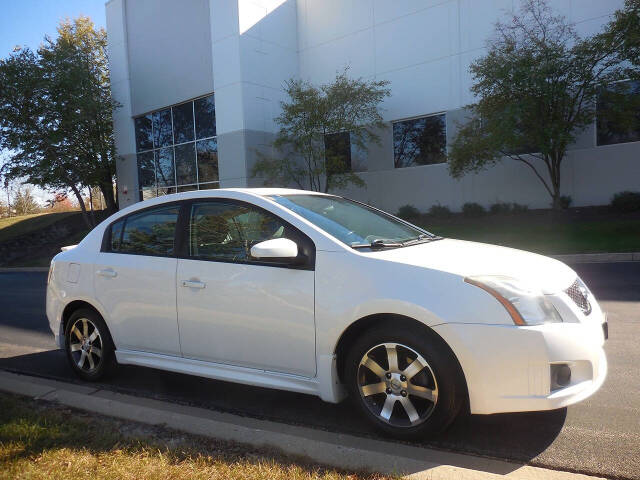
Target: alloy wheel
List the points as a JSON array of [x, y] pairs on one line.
[[85, 345], [397, 385]]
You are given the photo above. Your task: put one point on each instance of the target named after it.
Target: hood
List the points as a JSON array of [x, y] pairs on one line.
[[466, 259]]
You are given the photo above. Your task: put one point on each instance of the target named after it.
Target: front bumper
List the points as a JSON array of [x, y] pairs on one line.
[[508, 368]]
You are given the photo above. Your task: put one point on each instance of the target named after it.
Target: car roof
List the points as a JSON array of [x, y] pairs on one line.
[[270, 191], [213, 193]]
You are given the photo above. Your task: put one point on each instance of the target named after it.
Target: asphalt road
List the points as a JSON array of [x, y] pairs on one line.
[[598, 436]]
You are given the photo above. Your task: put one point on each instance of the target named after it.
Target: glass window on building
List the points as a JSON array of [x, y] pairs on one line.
[[618, 114], [420, 141], [207, 155], [177, 148], [337, 152]]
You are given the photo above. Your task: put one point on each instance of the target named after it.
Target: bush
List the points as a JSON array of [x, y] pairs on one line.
[[439, 211], [472, 209], [500, 207], [626, 202], [518, 207], [565, 201], [408, 212]]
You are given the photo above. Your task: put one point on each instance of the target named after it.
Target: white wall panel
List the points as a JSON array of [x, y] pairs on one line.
[[327, 20], [419, 90], [169, 48], [226, 62], [266, 63], [587, 9], [477, 21], [224, 18], [278, 25], [426, 35], [229, 108], [385, 10], [320, 64]]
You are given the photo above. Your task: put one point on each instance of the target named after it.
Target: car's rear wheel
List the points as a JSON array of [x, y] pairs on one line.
[[404, 380], [89, 346]]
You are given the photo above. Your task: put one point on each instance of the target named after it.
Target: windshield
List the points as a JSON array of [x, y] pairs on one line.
[[350, 222]]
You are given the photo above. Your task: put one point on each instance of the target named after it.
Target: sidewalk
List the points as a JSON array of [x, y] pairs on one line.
[[334, 449]]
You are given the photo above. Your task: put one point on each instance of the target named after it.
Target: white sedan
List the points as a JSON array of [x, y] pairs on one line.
[[319, 294]]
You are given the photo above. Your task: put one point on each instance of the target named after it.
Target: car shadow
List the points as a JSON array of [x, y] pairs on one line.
[[515, 437]]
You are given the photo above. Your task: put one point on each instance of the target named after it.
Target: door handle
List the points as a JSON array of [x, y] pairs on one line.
[[107, 272], [193, 284]]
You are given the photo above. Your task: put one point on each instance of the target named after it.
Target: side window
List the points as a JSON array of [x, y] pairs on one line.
[[225, 231], [151, 232], [116, 235]]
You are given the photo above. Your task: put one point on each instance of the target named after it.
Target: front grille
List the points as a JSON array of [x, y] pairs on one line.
[[579, 294]]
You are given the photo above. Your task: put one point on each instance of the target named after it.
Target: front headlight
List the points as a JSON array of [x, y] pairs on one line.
[[526, 305]]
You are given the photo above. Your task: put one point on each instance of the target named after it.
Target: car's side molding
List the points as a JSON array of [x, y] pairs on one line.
[[220, 371]]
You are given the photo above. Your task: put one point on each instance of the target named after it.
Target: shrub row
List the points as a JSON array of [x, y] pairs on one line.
[[621, 202], [626, 202], [469, 209]]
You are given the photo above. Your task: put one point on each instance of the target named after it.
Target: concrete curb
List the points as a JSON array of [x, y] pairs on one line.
[[599, 257], [335, 449], [23, 269]]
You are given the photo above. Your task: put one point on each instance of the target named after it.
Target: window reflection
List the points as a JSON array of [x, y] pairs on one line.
[[116, 235], [183, 123], [221, 231], [207, 160], [185, 157], [421, 141], [167, 154], [165, 173], [148, 233], [144, 138], [162, 133], [618, 118], [205, 113], [208, 186], [146, 170]]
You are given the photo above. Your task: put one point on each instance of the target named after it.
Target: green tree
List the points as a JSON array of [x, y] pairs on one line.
[[311, 114], [624, 30], [24, 203], [56, 113], [536, 89]]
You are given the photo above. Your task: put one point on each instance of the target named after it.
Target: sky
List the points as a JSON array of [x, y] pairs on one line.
[[26, 22]]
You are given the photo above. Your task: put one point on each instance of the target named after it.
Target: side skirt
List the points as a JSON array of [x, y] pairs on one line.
[[220, 371]]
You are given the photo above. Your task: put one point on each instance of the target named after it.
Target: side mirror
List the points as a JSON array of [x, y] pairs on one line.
[[276, 249]]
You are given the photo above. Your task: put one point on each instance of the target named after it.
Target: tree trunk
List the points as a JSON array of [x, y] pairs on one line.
[[109, 197], [85, 215], [93, 215], [554, 173]]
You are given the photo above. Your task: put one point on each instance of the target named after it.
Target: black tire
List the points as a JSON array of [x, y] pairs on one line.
[[94, 366], [443, 377]]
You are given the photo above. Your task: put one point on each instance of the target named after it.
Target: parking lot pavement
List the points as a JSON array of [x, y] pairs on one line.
[[600, 436]]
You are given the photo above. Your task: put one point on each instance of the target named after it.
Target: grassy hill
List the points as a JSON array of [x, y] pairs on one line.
[[32, 240], [11, 227]]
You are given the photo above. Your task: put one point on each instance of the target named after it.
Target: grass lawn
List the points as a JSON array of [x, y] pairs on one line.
[[11, 227], [542, 232], [43, 440]]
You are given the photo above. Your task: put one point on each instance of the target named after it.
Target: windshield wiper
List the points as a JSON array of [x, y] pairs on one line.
[[423, 238], [378, 243]]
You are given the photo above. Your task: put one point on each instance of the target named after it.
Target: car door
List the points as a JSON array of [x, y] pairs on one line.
[[237, 311], [135, 280]]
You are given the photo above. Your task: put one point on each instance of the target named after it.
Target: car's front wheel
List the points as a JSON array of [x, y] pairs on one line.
[[89, 346], [404, 380]]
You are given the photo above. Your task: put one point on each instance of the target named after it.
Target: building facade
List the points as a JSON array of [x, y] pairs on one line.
[[199, 83]]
